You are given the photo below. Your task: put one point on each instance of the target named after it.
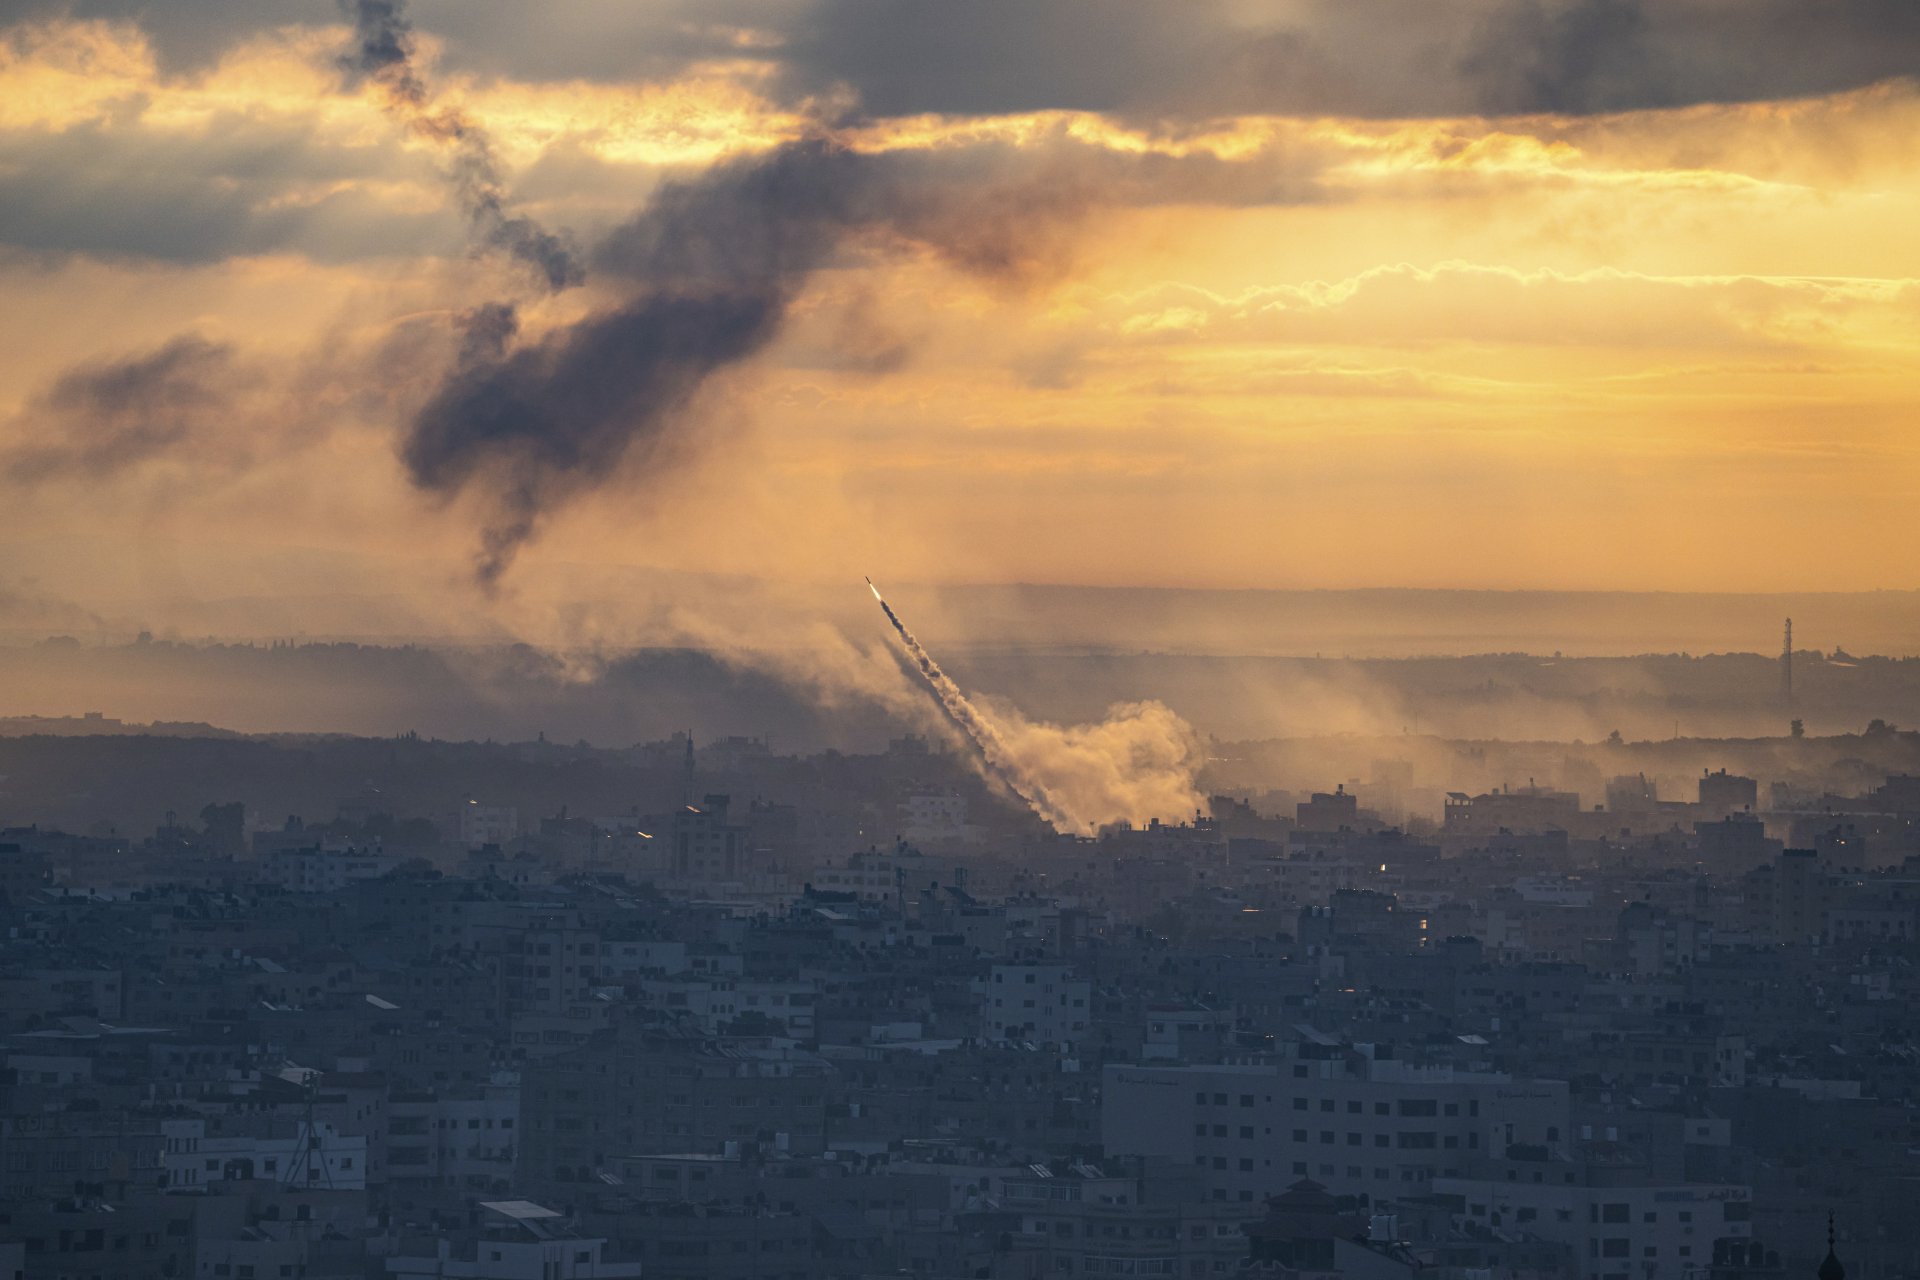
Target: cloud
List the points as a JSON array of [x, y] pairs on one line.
[[901, 322], [1459, 302], [1571, 58], [1379, 58], [709, 270], [24, 607], [240, 191], [1584, 56], [211, 409], [1190, 62], [185, 38], [107, 416]]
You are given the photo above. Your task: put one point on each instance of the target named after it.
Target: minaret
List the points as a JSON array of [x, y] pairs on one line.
[[1830, 1268], [686, 778]]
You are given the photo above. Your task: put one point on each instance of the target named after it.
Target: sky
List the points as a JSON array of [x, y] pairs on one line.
[[459, 301]]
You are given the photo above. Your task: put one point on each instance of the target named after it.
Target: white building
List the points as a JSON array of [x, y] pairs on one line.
[[1616, 1232], [873, 876], [1555, 891], [480, 824], [1172, 1030], [1037, 1003], [932, 817], [252, 1253], [324, 870], [633, 957], [790, 1004], [518, 1240], [263, 1148], [181, 1167], [1352, 1122], [465, 1138]]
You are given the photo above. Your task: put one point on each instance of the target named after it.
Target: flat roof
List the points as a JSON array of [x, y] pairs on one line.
[[520, 1210]]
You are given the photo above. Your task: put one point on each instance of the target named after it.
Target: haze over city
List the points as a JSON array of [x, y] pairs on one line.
[[848, 638]]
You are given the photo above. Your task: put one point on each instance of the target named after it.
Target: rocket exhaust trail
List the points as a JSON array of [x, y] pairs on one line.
[[986, 740]]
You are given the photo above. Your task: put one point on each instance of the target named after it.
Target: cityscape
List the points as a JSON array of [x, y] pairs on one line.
[[850, 640]]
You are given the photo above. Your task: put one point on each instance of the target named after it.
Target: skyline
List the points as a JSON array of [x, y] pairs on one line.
[[1597, 296], [836, 639]]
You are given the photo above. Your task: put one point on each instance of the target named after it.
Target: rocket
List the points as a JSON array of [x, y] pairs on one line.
[[913, 646], [992, 751]]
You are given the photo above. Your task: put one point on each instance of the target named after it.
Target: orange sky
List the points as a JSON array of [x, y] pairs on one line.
[[1666, 346]]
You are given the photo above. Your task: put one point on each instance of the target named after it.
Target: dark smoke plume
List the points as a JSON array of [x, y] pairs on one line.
[[102, 418], [705, 276], [712, 266], [382, 53], [532, 427]]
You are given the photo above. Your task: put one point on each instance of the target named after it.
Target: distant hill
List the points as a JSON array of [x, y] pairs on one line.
[[508, 692]]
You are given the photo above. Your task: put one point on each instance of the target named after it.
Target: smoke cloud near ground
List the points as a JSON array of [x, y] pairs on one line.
[[980, 734], [1137, 764], [528, 419], [1130, 761]]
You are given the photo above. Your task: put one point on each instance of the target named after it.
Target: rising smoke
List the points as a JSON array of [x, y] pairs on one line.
[[710, 268], [382, 55], [106, 416], [1138, 763], [704, 278], [986, 739]]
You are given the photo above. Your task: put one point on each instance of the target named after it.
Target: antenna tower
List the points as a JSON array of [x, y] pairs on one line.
[[311, 1154], [1786, 664]]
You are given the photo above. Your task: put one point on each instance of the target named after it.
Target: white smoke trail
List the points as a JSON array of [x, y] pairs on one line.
[[1136, 764], [993, 749]]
